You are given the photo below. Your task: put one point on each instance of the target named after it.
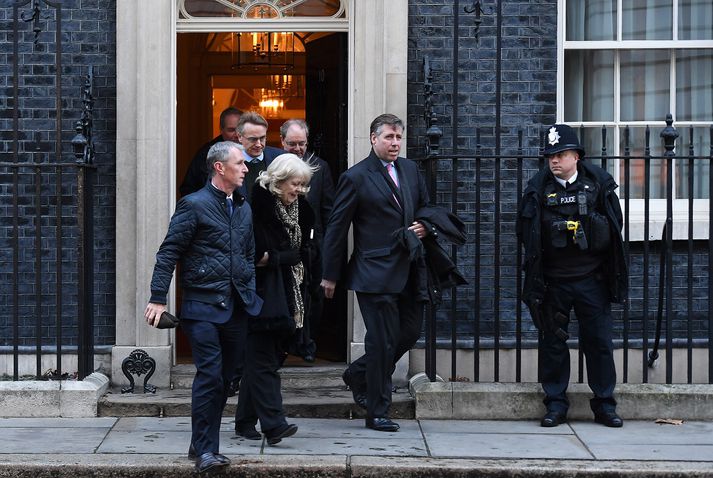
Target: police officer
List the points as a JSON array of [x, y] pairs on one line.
[[570, 225]]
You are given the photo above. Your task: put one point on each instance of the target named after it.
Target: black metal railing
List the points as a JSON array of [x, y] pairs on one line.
[[670, 287], [47, 207]]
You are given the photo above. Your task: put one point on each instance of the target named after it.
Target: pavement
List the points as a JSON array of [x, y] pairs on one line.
[[325, 447]]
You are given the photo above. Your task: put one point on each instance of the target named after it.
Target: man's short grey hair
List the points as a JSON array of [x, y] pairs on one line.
[[284, 167], [386, 119], [296, 122], [219, 153]]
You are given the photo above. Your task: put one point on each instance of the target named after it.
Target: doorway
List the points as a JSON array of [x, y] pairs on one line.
[[281, 75]]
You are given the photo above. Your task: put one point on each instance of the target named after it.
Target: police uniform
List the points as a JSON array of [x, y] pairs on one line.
[[574, 260]]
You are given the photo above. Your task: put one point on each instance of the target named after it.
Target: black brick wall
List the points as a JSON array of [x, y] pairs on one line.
[[88, 39], [528, 102]]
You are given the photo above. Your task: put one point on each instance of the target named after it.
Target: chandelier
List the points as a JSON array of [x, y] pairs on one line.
[[273, 98], [264, 49]]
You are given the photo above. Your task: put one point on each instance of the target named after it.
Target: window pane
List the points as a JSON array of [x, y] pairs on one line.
[[637, 165], [694, 85], [593, 140], [644, 85], [701, 167], [695, 20], [591, 20], [589, 85], [647, 20]]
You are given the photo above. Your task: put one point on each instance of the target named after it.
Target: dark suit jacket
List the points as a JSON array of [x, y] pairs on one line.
[[197, 172], [321, 194], [365, 198]]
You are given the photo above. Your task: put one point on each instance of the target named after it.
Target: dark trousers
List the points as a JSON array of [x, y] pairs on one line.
[[215, 349], [260, 396], [393, 325], [590, 299]]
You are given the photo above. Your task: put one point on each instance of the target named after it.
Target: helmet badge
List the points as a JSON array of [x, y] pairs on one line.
[[553, 137]]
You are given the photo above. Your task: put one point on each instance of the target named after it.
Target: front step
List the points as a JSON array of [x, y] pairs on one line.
[[324, 375], [315, 391], [306, 403]]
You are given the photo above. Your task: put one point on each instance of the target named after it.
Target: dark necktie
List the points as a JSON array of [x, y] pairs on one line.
[[229, 204]]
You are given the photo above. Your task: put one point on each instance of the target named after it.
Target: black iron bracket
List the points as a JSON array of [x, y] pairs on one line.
[[478, 10], [35, 19], [138, 363], [82, 142], [433, 132]]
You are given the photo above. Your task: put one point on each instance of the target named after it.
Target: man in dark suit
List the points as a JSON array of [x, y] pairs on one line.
[[294, 134], [252, 135], [197, 172], [378, 196], [211, 235]]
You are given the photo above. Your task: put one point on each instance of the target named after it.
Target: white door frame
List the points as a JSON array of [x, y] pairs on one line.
[[146, 131]]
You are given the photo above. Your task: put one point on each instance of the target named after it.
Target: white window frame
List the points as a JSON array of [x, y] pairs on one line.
[[657, 212]]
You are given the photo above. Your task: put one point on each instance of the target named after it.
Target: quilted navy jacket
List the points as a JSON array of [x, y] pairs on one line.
[[215, 251]]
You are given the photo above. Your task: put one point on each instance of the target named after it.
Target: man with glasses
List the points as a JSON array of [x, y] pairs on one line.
[[294, 134], [197, 173], [252, 134]]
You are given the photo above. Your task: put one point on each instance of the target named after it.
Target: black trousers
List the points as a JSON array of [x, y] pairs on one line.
[[260, 396], [215, 349], [393, 325], [590, 299]]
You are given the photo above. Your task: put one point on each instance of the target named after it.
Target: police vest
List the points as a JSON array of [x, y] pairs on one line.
[[571, 216]]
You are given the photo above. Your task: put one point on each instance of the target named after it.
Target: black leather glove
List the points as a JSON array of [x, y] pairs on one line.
[[289, 257]]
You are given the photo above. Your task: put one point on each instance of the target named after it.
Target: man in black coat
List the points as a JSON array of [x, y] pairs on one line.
[[570, 224], [294, 134], [197, 173], [211, 235], [378, 196]]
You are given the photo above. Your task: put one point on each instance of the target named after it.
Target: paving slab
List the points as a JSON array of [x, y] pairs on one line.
[[490, 426], [51, 440], [645, 432], [170, 442], [342, 428], [382, 446], [498, 445]]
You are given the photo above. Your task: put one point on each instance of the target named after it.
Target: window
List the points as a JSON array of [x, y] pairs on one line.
[[261, 9], [630, 63]]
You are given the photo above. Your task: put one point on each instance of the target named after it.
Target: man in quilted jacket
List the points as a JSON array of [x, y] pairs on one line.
[[211, 235]]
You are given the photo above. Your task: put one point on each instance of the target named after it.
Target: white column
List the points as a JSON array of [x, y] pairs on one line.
[[145, 170]]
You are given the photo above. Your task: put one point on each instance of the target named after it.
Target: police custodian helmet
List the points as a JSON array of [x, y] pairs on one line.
[[561, 137]]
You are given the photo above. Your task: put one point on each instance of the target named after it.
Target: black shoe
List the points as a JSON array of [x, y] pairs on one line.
[[309, 358], [192, 455], [552, 419], [276, 436], [609, 419], [233, 387], [382, 424], [248, 433], [358, 396], [209, 462]]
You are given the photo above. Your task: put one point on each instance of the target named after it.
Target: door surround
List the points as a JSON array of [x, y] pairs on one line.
[[146, 129]]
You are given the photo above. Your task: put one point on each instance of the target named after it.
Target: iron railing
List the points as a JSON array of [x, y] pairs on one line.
[[47, 210], [487, 314]]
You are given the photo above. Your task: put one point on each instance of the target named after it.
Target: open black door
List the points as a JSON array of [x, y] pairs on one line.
[[326, 114]]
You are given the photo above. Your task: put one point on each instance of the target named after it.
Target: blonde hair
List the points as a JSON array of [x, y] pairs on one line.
[[282, 168]]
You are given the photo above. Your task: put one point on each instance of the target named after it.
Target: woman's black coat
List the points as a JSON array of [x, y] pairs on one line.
[[274, 281]]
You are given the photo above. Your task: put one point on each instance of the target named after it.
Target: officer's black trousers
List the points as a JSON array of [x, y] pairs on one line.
[[590, 299]]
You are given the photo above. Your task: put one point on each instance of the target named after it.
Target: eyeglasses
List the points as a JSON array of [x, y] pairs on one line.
[[254, 139], [293, 144]]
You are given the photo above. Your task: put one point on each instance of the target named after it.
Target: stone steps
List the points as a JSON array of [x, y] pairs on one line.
[[315, 391]]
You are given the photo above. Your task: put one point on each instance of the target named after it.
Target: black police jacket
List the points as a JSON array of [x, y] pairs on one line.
[[529, 232], [216, 252]]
